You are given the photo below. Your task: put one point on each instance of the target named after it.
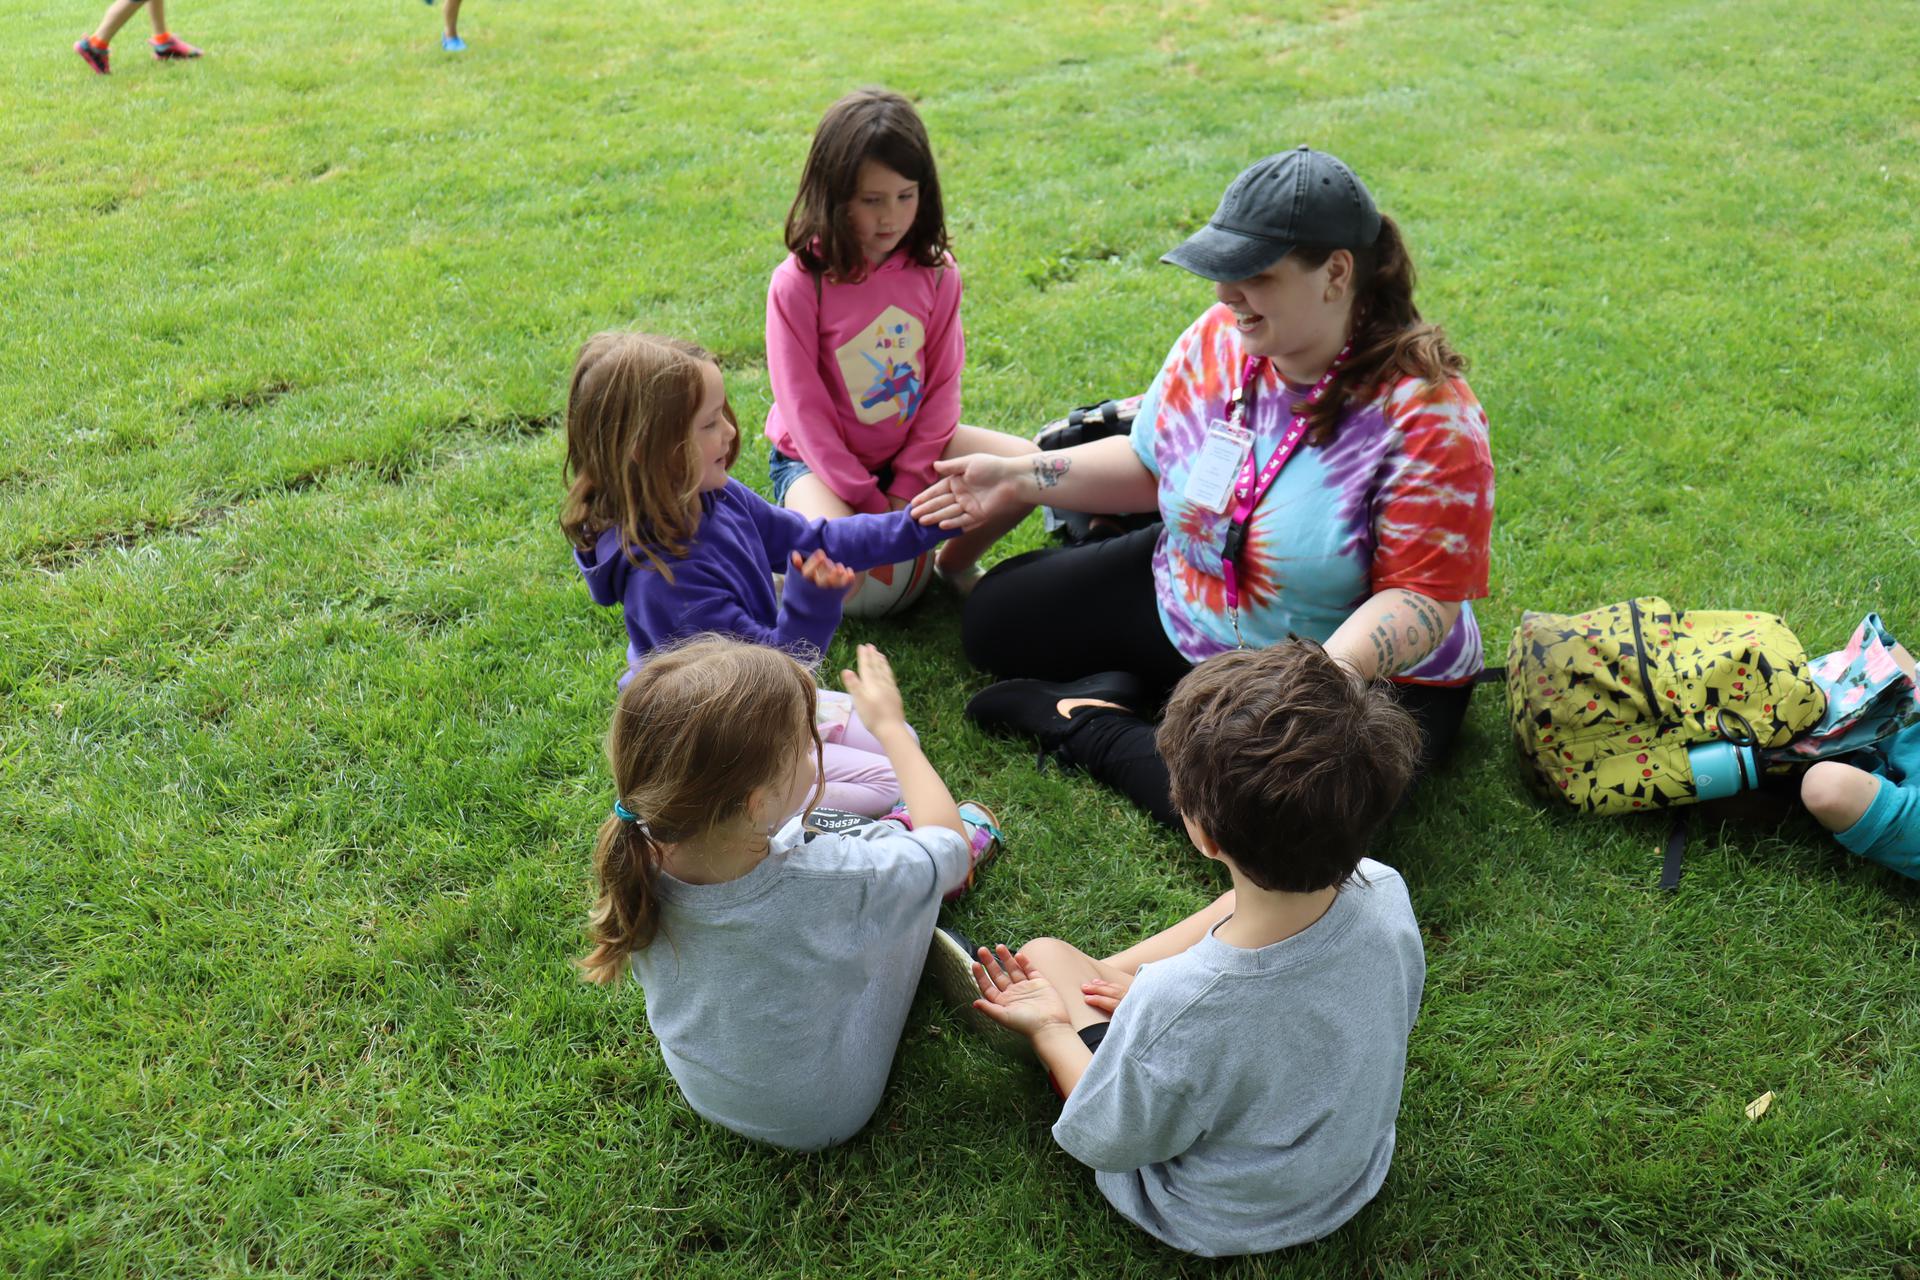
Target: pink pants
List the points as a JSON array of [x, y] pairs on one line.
[[858, 775]]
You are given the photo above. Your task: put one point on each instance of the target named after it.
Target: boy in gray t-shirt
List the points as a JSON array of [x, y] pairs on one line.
[[1234, 1079]]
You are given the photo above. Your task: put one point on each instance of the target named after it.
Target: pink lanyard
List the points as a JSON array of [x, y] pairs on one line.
[[1248, 490]]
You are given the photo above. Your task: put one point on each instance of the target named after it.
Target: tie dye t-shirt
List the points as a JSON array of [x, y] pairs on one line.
[[1402, 497]]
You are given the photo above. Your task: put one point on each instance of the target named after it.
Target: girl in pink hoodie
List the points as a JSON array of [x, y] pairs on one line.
[[864, 347]]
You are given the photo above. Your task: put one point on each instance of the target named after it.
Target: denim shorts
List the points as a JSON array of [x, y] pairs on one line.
[[783, 469]]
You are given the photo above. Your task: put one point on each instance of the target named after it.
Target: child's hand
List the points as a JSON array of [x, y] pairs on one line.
[[1103, 995], [1015, 996], [876, 698], [828, 575]]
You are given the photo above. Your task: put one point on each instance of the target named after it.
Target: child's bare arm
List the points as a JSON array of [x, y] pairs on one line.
[[877, 698]]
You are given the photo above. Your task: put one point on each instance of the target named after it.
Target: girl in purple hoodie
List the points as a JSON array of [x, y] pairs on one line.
[[659, 528]]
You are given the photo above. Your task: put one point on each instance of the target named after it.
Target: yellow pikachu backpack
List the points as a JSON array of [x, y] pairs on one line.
[[1606, 705]]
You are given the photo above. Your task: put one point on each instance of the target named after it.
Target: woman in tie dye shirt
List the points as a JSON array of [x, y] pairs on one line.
[[1372, 538]]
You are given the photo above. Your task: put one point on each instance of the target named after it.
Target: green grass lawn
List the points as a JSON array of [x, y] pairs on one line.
[[301, 699]]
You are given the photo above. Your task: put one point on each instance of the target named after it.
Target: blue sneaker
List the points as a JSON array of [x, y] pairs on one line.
[[453, 44], [984, 839]]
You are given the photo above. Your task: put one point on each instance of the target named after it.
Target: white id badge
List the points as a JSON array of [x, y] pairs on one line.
[[1210, 483]]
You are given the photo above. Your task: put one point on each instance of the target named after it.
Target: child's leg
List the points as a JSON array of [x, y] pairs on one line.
[[1173, 940], [116, 17], [810, 496], [1885, 815], [957, 556], [1068, 968], [857, 781], [1837, 795], [857, 735], [156, 10], [453, 19]]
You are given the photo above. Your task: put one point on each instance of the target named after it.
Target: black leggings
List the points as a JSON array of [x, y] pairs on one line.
[[1066, 612]]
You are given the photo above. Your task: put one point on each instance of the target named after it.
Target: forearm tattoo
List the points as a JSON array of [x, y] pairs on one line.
[[1406, 633], [1048, 472]]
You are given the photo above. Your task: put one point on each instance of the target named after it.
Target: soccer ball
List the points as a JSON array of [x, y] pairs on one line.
[[891, 588]]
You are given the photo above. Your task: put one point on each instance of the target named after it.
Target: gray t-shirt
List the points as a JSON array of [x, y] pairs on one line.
[[1244, 1100], [778, 999]]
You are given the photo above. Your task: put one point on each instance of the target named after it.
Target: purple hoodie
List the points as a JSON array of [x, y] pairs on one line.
[[724, 584]]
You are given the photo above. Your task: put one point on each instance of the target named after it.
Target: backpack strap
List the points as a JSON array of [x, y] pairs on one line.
[[1676, 852], [1491, 675]]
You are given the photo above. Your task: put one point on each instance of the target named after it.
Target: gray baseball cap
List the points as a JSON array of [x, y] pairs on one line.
[[1298, 197]]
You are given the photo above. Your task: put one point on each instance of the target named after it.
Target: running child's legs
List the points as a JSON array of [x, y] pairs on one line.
[[116, 17], [958, 556]]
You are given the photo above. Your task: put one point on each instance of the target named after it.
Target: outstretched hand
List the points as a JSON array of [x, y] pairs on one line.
[[828, 575], [875, 693], [1016, 995], [971, 489]]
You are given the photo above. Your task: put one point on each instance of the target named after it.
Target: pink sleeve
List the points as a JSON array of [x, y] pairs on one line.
[[939, 413], [807, 407]]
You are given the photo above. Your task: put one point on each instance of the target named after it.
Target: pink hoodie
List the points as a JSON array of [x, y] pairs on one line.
[[865, 375]]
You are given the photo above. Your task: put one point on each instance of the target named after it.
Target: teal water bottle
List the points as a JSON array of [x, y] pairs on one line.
[[1721, 769]]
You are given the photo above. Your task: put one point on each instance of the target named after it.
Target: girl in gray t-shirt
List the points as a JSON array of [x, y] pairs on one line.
[[778, 949]]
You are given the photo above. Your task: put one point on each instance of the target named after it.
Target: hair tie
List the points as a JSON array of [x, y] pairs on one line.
[[625, 814]]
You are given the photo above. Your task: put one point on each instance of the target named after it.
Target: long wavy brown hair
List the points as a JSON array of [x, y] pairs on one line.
[[1390, 340], [867, 124], [631, 454], [695, 733]]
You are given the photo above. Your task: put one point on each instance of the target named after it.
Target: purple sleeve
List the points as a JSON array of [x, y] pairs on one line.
[[807, 408], [702, 599], [933, 426], [859, 542]]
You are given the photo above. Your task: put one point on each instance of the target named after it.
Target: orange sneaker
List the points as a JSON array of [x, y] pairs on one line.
[[95, 58]]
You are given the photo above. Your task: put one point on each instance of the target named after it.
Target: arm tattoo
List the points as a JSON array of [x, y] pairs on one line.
[[1423, 632], [1048, 472], [1386, 657]]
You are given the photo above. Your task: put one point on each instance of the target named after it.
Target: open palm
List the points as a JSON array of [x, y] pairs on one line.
[[1014, 995], [971, 490]]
